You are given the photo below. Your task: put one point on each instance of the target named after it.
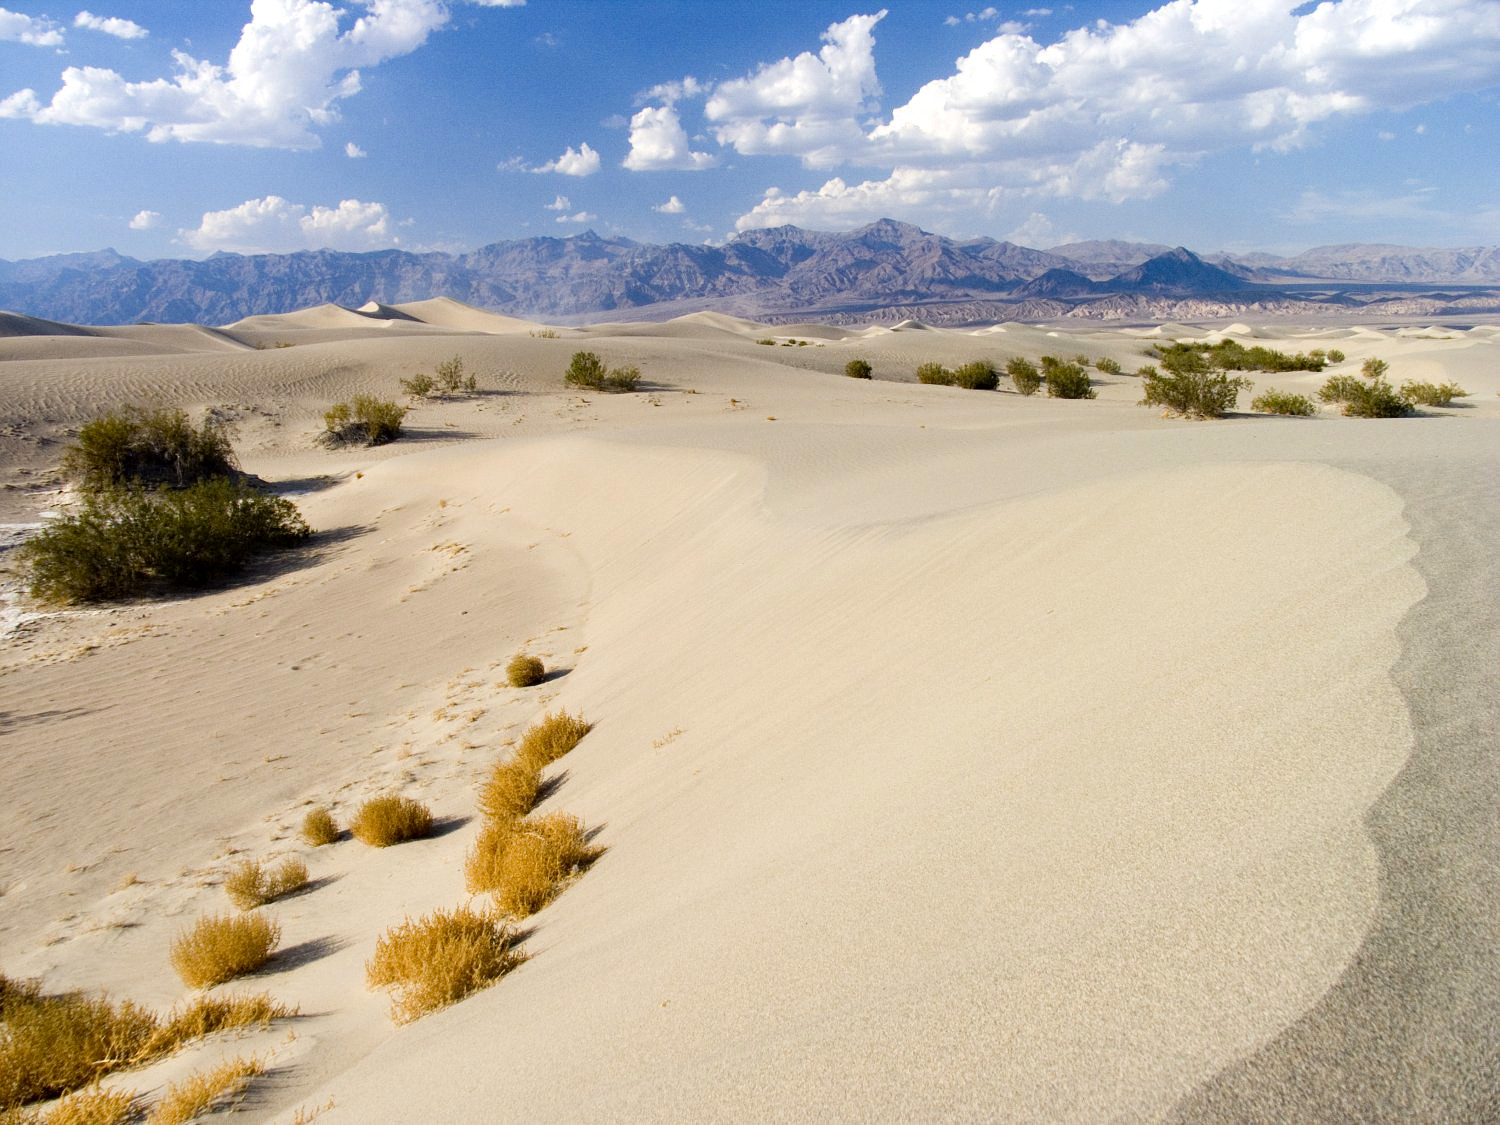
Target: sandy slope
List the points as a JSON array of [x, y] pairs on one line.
[[958, 754]]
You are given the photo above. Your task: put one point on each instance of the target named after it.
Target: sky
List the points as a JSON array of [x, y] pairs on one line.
[[180, 129]]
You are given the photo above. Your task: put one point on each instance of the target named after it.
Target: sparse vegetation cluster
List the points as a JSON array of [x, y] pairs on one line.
[[384, 821], [859, 369], [154, 448], [1023, 375], [588, 371], [221, 947], [1432, 394], [319, 828], [451, 379], [363, 420], [251, 884], [1284, 402], [1231, 355], [1066, 380], [440, 958], [1193, 384], [525, 671], [978, 375]]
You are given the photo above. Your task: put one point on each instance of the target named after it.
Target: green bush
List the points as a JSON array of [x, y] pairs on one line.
[[1335, 356], [858, 369], [766, 342], [420, 385], [980, 375], [1365, 398], [1432, 394], [128, 541], [1025, 376], [1066, 380], [451, 379], [1283, 402], [1107, 365], [935, 374], [1231, 355], [587, 370], [1374, 368], [151, 447], [1193, 385], [364, 419]]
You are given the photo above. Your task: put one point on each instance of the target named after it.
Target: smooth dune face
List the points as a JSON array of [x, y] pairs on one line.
[[956, 754]]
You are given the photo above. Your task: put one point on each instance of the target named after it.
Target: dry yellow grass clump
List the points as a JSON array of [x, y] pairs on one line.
[[222, 947], [87, 1107], [250, 885], [551, 738], [383, 821], [439, 959], [197, 1093], [525, 864], [525, 671], [55, 1044], [510, 790], [318, 827]]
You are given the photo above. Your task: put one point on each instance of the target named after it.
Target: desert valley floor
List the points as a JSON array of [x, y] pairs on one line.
[[958, 754]]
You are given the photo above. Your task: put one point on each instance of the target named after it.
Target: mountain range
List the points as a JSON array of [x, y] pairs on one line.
[[880, 271]]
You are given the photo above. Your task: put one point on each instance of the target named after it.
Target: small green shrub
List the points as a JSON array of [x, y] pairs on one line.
[[439, 959], [524, 671], [222, 947], [383, 821], [1432, 394], [148, 447], [1231, 355], [1194, 389], [318, 828], [127, 542], [1024, 375], [935, 374], [1365, 398], [364, 420], [1283, 402], [1373, 368], [451, 379], [1066, 380], [587, 370], [979, 375], [1107, 365], [1335, 356], [859, 369], [419, 386], [766, 343]]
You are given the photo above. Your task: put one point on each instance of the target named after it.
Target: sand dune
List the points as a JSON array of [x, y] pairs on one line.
[[957, 754]]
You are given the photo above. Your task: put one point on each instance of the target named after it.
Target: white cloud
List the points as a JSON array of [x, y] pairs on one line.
[[1039, 230], [1105, 112], [272, 224], [354, 152], [659, 142], [561, 203], [673, 206], [584, 162], [35, 31], [283, 80], [579, 217], [110, 25], [146, 220], [672, 92], [984, 15]]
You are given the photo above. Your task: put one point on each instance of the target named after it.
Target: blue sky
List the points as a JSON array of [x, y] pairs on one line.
[[172, 129]]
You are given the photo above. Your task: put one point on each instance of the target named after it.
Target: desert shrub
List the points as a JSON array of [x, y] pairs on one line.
[[510, 790], [318, 827], [1335, 356], [250, 885], [1373, 368], [766, 343], [1231, 355], [52, 1044], [859, 369], [1365, 398], [551, 738], [935, 374], [419, 385], [223, 946], [1025, 376], [451, 379], [364, 420], [1107, 365], [1432, 394], [587, 370], [148, 447], [128, 541], [439, 959], [543, 333], [383, 821], [979, 375], [524, 671], [482, 866], [1283, 402], [1193, 386], [1066, 380], [94, 1106], [537, 859], [197, 1093]]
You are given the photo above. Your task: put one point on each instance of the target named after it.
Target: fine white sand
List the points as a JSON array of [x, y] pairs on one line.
[[958, 754]]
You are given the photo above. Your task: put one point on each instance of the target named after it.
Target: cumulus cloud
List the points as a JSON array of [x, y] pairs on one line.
[[673, 206], [584, 162], [578, 217], [658, 142], [294, 62], [354, 152], [672, 92], [561, 203], [1039, 230], [110, 25], [981, 16], [273, 224], [1108, 111], [145, 220], [35, 31]]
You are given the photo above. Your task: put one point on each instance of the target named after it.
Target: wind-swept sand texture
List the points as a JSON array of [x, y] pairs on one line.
[[957, 754]]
